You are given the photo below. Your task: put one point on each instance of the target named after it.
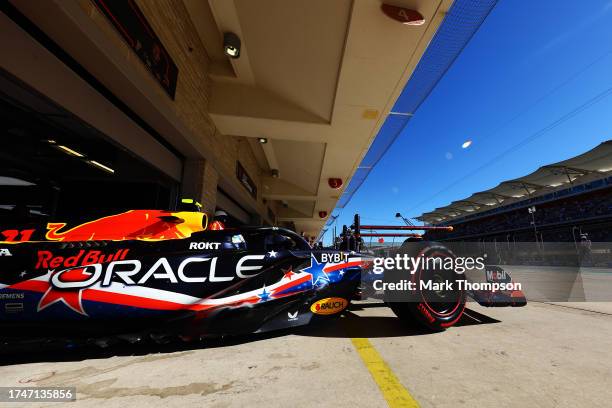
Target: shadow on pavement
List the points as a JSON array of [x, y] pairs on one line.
[[347, 326], [352, 325]]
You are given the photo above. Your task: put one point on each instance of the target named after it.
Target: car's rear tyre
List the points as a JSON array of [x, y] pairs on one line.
[[437, 308]]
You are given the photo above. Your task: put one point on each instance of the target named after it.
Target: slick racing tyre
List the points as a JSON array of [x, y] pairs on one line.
[[435, 300]]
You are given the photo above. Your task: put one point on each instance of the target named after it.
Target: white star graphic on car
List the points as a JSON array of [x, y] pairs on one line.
[[272, 254]]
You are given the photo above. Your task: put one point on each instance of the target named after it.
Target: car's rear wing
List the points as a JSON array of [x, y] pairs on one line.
[[351, 236]]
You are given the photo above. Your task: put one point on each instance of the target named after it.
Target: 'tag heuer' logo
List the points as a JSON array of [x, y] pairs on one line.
[[329, 306]]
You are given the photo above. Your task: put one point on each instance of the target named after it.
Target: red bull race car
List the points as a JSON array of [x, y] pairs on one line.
[[161, 273]]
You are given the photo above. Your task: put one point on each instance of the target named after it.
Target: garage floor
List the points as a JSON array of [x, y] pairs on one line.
[[541, 355]]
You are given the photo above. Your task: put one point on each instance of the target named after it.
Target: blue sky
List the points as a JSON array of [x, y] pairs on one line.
[[529, 65]]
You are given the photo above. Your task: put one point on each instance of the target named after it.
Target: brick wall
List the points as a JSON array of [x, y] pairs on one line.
[[172, 24]]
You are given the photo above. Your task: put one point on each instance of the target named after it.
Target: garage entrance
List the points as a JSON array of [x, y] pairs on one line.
[[53, 166]]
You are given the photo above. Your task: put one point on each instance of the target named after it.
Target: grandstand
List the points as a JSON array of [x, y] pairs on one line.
[[560, 202]]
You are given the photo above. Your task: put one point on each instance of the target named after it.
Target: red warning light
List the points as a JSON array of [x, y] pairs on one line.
[[335, 183], [403, 15]]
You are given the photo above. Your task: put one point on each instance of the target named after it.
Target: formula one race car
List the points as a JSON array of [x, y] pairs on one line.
[[160, 272]]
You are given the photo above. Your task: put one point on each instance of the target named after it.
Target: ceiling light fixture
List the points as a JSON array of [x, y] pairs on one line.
[[101, 166], [231, 45], [70, 151]]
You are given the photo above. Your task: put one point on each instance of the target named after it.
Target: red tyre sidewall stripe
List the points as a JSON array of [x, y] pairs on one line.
[[424, 301]]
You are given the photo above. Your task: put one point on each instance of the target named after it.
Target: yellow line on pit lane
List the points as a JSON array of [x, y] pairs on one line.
[[392, 390]]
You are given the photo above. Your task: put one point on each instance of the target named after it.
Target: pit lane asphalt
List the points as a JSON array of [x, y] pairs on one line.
[[541, 355]]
